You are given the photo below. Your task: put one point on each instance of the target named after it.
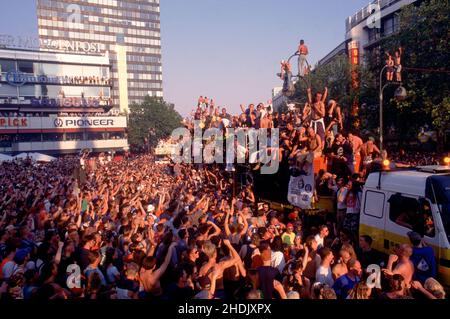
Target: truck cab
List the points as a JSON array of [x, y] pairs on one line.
[[395, 202]]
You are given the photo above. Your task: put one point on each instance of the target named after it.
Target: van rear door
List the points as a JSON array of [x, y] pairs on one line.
[[372, 217]]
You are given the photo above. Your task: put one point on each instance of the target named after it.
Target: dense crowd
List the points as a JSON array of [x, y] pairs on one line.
[[132, 229]]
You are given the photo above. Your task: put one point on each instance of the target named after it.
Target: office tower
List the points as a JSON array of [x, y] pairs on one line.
[[123, 28]]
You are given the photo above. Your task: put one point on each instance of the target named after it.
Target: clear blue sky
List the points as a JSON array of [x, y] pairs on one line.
[[225, 49]]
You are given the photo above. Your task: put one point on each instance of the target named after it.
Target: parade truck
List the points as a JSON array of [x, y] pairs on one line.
[[276, 189], [164, 151], [398, 201]]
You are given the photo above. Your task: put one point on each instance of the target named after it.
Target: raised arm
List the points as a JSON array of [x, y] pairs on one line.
[[309, 96], [226, 224], [105, 203], [305, 258], [59, 252], [244, 230], [160, 271], [251, 196], [418, 286], [234, 256], [206, 206], [160, 205], [217, 230], [325, 95], [279, 288]]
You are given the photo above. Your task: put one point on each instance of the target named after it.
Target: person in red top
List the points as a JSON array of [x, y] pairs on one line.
[[302, 53]]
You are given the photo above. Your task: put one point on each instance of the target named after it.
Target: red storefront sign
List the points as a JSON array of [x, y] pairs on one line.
[[13, 122]]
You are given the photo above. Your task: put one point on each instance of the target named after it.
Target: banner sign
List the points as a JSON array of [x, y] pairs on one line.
[[68, 102], [353, 50], [301, 184], [15, 123], [17, 78], [34, 43]]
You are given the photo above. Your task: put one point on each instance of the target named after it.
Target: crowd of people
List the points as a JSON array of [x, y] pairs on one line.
[[131, 229], [128, 228]]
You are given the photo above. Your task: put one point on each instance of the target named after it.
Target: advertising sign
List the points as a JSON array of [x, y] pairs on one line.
[[34, 43], [16, 78], [14, 123], [66, 102]]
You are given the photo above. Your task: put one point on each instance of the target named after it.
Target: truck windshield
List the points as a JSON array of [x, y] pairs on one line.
[[438, 190]]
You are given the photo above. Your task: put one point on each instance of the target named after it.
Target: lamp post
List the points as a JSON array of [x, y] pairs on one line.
[[400, 95]]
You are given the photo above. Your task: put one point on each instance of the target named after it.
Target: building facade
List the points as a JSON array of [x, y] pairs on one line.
[[365, 29], [57, 103], [377, 20], [129, 30]]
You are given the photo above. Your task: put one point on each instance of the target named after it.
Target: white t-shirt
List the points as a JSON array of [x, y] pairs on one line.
[[319, 241], [324, 276], [277, 260]]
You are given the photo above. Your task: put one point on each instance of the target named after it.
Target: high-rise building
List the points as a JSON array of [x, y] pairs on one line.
[[129, 30]]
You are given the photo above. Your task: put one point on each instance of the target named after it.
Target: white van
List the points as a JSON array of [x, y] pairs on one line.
[[395, 202]]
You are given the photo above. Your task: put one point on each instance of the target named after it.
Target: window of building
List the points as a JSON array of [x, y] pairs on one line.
[[25, 66], [74, 136], [90, 136], [7, 66], [116, 135], [412, 213], [373, 35], [6, 140], [29, 137], [52, 137], [391, 25]]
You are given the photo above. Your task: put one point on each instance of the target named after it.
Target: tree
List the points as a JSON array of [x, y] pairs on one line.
[[423, 34], [154, 116]]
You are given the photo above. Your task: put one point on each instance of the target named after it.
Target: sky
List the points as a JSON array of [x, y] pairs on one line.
[[225, 49]]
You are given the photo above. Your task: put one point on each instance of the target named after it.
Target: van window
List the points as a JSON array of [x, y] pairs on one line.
[[412, 213], [374, 204]]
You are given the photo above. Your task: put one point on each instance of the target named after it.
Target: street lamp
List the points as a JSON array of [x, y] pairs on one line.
[[400, 95]]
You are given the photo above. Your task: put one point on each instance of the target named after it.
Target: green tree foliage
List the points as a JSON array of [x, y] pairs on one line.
[[424, 36], [153, 114]]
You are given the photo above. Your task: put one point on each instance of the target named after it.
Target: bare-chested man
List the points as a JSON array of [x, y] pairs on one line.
[[149, 276], [318, 112], [404, 265], [334, 117], [214, 269]]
